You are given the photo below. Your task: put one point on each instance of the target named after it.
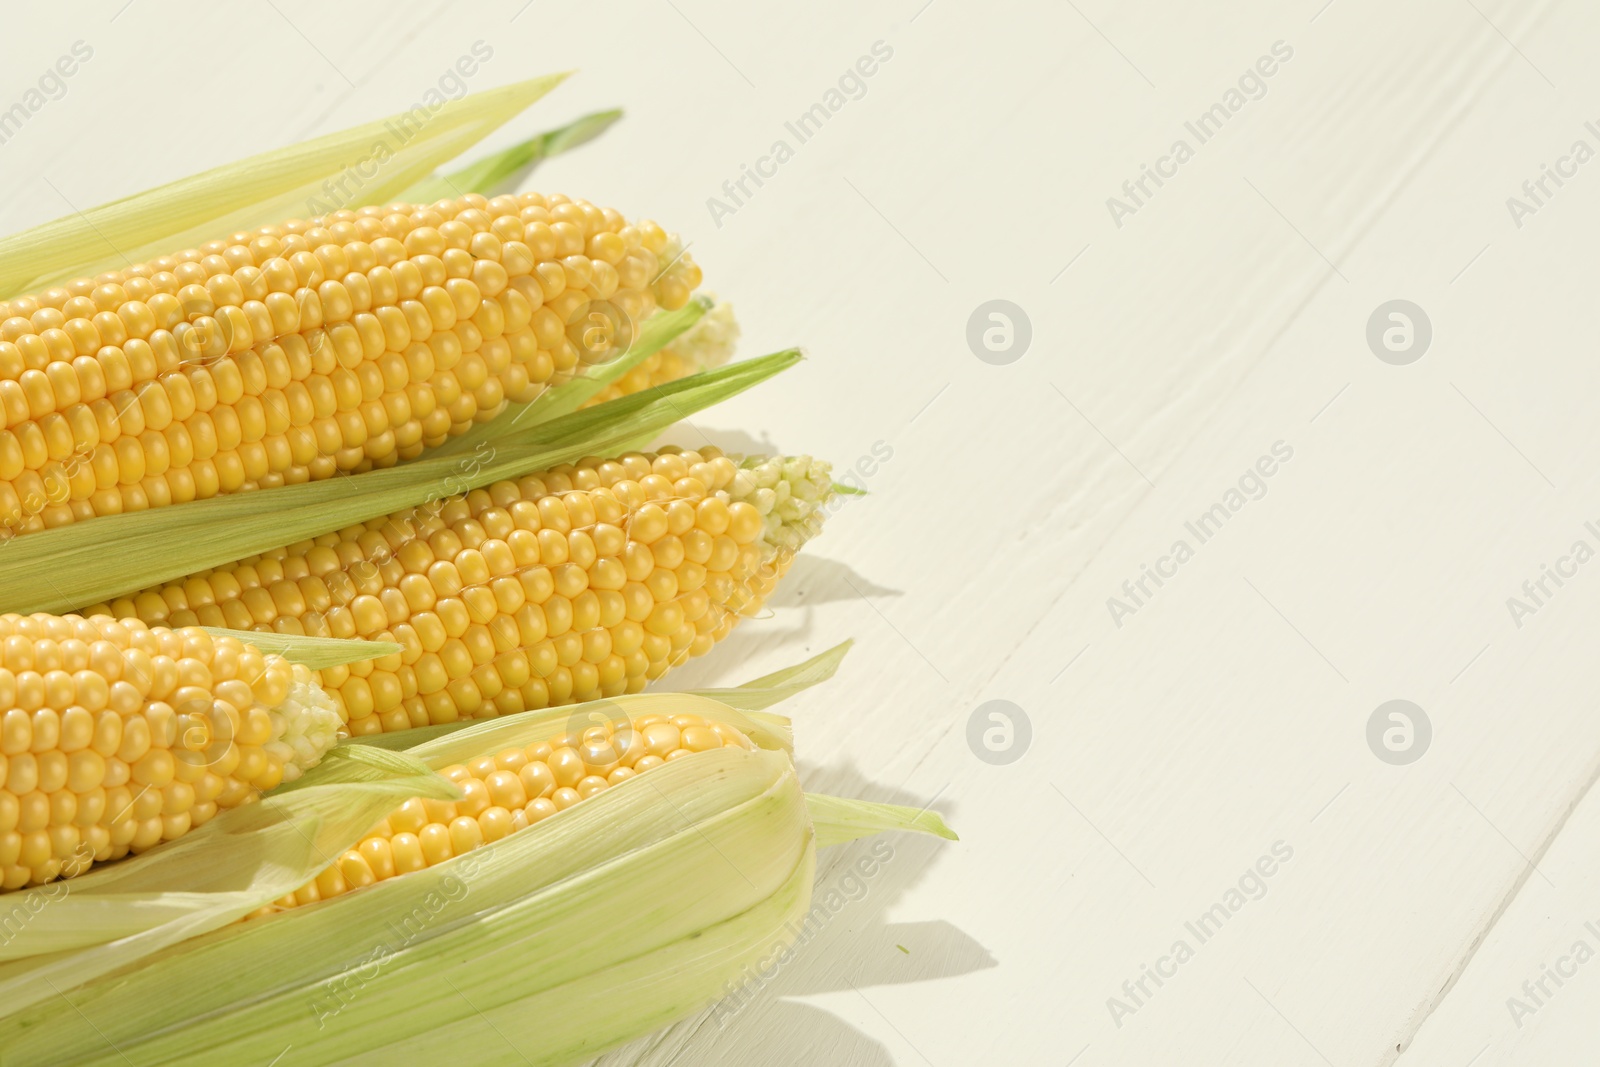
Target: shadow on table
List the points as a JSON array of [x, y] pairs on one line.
[[727, 664], [785, 621], [819, 580], [854, 951]]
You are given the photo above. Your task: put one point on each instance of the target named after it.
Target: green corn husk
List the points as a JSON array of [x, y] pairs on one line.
[[840, 819], [605, 921], [492, 174], [313, 652], [122, 912], [90, 562], [262, 189], [756, 696], [658, 331], [124, 899]]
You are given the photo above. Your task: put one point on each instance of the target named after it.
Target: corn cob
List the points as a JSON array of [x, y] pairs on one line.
[[115, 737], [668, 892], [581, 582], [510, 790], [339, 343]]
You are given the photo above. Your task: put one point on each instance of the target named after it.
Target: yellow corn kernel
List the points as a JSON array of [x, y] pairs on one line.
[[581, 582], [338, 343], [401, 843], [117, 736]]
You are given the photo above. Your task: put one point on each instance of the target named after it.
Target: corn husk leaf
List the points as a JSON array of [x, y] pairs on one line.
[[68, 932], [262, 189], [313, 652], [452, 742], [495, 173], [658, 331], [761, 693], [354, 763], [89, 562], [606, 921], [660, 888], [839, 819], [379, 762], [533, 727]]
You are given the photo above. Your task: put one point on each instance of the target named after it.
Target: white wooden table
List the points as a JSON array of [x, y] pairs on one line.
[[1179, 338]]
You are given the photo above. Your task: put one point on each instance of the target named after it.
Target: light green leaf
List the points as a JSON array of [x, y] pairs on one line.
[[839, 819], [96, 561], [534, 727], [658, 331], [399, 740], [349, 763], [284, 183], [606, 921], [491, 175], [70, 932], [640, 906], [313, 652], [455, 742], [770, 689]]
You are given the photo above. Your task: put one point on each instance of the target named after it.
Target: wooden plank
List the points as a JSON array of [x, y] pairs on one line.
[[1228, 711]]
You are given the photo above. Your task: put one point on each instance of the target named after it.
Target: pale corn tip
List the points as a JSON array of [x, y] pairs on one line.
[[711, 340], [307, 725], [790, 493]]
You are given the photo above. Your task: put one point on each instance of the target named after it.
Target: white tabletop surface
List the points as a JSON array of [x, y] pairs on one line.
[[1204, 325]]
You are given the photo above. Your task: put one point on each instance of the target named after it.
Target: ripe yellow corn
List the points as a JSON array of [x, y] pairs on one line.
[[577, 583], [672, 888], [115, 737], [510, 790], [339, 343]]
